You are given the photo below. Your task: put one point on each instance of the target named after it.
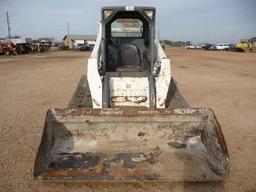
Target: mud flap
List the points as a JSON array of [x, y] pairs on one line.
[[132, 144]]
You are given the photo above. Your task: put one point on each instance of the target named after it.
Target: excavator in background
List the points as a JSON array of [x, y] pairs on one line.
[[127, 120]]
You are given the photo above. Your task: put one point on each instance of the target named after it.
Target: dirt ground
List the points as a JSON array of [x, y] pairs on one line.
[[30, 84]]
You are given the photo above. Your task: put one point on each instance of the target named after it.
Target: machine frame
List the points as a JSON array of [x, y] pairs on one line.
[[144, 89]]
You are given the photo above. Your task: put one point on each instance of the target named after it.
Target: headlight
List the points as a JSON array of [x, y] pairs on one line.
[[149, 13], [107, 13]]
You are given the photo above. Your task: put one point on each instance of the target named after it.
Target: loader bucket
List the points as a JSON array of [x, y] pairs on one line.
[[131, 144]]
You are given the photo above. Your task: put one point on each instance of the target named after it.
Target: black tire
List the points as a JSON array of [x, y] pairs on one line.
[[174, 98], [7, 52], [82, 96]]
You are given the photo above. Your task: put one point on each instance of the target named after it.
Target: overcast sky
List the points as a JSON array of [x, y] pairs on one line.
[[187, 20]]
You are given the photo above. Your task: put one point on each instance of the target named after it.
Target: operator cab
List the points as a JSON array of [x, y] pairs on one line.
[[128, 38]]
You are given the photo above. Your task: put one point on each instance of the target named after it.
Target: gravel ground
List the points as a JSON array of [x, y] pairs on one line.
[[30, 84]]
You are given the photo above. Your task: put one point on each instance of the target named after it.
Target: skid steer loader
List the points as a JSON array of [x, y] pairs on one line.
[[127, 121]]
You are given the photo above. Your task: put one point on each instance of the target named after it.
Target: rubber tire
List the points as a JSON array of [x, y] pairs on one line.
[[82, 96], [7, 52]]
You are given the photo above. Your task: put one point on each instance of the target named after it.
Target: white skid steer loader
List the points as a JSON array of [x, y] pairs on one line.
[[127, 120]]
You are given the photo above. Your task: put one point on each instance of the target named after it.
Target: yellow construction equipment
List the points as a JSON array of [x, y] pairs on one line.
[[247, 45]]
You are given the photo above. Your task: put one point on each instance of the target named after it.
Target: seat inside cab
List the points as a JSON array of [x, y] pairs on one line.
[[128, 46]]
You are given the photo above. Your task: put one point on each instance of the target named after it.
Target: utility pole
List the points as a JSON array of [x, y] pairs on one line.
[[68, 27], [8, 25]]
